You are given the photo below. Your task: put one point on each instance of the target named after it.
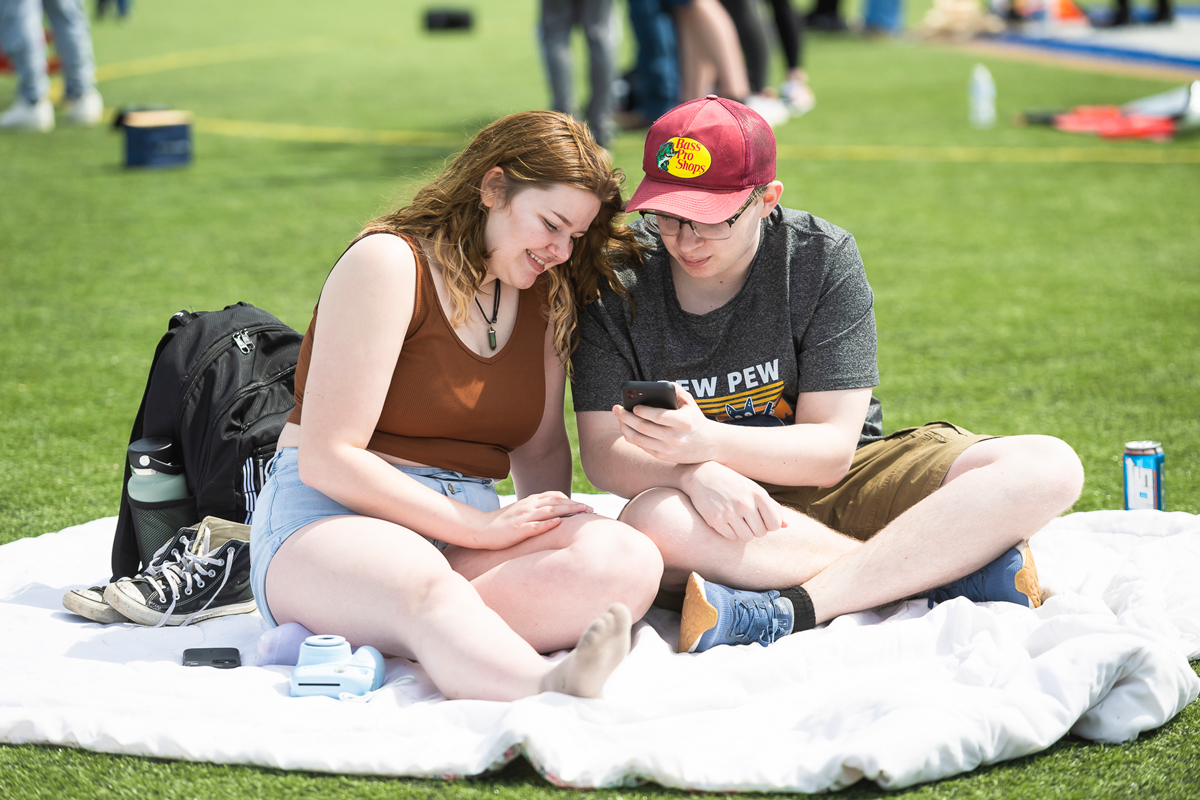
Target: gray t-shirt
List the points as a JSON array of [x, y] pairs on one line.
[[802, 322]]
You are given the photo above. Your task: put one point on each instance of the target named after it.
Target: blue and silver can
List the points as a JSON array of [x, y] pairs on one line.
[[1144, 475]]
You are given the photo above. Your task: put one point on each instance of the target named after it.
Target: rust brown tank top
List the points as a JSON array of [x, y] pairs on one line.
[[447, 406]]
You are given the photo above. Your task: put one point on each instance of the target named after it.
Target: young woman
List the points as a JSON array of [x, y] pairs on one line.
[[435, 362]]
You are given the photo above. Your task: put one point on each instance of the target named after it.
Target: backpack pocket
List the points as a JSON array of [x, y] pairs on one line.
[[155, 524]]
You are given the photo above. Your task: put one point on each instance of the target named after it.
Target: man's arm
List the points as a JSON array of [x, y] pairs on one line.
[[814, 451], [715, 463], [628, 452]]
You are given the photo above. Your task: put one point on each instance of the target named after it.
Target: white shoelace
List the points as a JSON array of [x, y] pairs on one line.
[[185, 568]]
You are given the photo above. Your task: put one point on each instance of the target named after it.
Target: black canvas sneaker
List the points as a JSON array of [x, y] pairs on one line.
[[90, 602], [204, 573]]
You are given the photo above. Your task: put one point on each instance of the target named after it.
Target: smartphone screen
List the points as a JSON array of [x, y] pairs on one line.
[[657, 394], [219, 657]]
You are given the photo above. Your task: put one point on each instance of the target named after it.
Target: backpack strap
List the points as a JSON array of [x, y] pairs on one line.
[[126, 560]]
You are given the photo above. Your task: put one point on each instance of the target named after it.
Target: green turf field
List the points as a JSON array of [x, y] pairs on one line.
[[1026, 280]]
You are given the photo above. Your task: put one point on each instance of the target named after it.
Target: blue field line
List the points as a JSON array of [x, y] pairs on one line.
[[1140, 56]]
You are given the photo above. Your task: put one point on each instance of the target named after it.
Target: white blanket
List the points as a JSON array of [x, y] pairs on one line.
[[900, 695]]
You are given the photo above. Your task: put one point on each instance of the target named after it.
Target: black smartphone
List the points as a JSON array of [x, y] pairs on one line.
[[219, 657], [656, 394]]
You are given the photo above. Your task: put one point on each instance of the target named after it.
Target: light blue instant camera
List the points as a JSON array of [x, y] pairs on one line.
[[325, 667]]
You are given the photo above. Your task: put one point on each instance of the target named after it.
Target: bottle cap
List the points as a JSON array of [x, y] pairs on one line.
[[157, 454]]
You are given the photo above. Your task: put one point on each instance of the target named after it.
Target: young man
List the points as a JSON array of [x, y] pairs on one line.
[[772, 480]]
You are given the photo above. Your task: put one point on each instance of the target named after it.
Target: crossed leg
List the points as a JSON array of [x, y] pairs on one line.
[[998, 493], [381, 584]]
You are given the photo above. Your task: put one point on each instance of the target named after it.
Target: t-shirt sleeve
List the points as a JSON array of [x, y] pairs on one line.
[[838, 347], [602, 360]]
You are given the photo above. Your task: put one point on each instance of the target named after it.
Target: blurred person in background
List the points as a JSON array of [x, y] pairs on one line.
[[711, 59], [653, 83], [1123, 16], [827, 16], [883, 17], [123, 7], [794, 91], [23, 38], [596, 18]]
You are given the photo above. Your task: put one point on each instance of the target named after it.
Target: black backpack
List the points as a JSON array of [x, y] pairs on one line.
[[221, 387]]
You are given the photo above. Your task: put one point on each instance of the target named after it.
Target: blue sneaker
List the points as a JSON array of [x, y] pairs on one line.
[[1011, 578], [714, 614]]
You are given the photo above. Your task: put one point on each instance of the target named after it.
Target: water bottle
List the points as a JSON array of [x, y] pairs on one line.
[[157, 475], [982, 97], [158, 495]]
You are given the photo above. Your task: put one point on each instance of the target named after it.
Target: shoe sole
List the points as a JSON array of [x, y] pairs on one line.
[[1027, 578], [132, 606], [82, 602], [699, 615]]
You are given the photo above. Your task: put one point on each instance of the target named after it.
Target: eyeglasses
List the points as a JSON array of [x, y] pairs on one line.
[[666, 225]]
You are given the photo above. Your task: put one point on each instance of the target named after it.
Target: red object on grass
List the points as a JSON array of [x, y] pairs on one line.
[[1109, 122], [52, 62]]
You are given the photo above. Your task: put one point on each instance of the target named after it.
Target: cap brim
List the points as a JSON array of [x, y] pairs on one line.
[[699, 205]]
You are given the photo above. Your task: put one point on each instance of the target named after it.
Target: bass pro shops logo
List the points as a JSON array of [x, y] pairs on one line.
[[683, 158]]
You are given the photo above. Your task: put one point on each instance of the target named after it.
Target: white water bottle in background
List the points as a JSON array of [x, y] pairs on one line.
[[981, 96]]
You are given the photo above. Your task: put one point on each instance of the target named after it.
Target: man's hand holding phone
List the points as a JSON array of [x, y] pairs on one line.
[[664, 420]]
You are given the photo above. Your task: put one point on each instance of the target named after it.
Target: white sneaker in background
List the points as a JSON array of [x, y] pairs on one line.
[[25, 116], [798, 97], [85, 110], [771, 109]]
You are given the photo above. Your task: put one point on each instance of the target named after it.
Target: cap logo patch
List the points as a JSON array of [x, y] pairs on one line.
[[683, 158]]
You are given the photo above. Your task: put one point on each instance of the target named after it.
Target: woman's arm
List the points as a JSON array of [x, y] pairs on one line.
[[366, 307], [544, 462]]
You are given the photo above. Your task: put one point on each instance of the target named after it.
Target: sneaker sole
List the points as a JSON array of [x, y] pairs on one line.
[[90, 604], [133, 607], [1027, 578], [699, 616]]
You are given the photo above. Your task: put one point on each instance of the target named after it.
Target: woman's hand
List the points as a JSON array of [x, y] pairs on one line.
[[529, 516], [734, 506], [679, 436]]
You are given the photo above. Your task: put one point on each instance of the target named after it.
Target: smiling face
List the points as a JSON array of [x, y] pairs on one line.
[[535, 230]]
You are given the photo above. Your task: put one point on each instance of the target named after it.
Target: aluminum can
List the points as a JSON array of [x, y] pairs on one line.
[[1143, 475]]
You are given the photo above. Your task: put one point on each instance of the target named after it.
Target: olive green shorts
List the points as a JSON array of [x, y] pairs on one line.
[[886, 478]]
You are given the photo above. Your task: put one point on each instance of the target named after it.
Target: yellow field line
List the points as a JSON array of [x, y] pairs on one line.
[[1017, 155], [311, 133], [317, 133], [213, 55]]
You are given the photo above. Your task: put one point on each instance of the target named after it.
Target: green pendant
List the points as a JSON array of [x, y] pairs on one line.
[[492, 337]]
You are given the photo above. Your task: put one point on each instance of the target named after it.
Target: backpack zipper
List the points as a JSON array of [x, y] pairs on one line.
[[247, 389], [214, 350]]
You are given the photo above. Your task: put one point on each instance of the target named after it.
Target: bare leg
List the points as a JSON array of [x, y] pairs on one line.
[[998, 493], [786, 557], [380, 584], [707, 34], [550, 587]]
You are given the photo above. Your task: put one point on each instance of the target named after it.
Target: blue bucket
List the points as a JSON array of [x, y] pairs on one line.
[[158, 139]]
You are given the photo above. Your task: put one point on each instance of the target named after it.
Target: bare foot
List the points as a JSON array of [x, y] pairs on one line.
[[602, 647]]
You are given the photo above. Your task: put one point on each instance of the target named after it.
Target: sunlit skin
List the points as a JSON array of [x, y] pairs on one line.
[[719, 264], [535, 231]]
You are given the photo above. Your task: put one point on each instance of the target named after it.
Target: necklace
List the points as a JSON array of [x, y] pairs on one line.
[[495, 315]]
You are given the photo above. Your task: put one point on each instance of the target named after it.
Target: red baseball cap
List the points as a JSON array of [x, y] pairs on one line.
[[703, 159]]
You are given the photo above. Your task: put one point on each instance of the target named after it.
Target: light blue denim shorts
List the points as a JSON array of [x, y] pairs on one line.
[[286, 504]]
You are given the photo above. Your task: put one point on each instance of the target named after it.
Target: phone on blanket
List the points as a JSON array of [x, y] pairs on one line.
[[656, 394], [219, 657]]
